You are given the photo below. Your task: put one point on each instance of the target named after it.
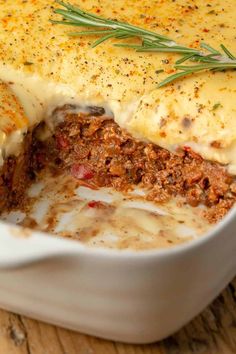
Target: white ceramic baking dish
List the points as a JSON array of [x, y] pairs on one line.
[[136, 297]]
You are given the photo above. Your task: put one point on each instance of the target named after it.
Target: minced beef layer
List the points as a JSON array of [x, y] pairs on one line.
[[93, 148], [15, 177]]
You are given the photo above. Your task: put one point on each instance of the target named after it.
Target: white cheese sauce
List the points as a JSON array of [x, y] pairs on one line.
[[106, 218]]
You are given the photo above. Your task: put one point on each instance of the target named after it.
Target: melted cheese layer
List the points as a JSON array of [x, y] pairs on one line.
[[33, 51]]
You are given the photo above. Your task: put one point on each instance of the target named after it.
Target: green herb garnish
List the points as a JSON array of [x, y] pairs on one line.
[[216, 106], [207, 59]]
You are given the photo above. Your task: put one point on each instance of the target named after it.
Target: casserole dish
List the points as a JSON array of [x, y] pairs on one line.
[[109, 127]]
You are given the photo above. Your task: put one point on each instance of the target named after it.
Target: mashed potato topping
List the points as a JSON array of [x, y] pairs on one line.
[[198, 111]]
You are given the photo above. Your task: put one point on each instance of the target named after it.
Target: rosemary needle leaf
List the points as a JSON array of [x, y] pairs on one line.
[[126, 45], [103, 39], [72, 16], [87, 33], [210, 49], [124, 36], [166, 50], [208, 66], [67, 23], [171, 78], [227, 52], [185, 58]]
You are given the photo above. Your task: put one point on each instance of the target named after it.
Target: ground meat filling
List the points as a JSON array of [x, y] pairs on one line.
[[95, 149], [15, 177]]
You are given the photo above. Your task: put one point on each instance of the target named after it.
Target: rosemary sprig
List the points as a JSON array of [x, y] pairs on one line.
[[207, 59]]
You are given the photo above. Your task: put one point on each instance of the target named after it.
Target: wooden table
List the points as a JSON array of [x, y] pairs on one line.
[[213, 332]]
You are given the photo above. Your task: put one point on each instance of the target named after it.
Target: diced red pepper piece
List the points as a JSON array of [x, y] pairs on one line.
[[62, 142], [95, 204], [192, 153], [81, 171], [187, 148]]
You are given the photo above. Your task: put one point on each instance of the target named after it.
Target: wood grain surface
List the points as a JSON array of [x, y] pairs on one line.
[[213, 332]]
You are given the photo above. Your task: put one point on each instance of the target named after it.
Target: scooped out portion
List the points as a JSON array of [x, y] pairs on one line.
[[93, 148], [90, 150]]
